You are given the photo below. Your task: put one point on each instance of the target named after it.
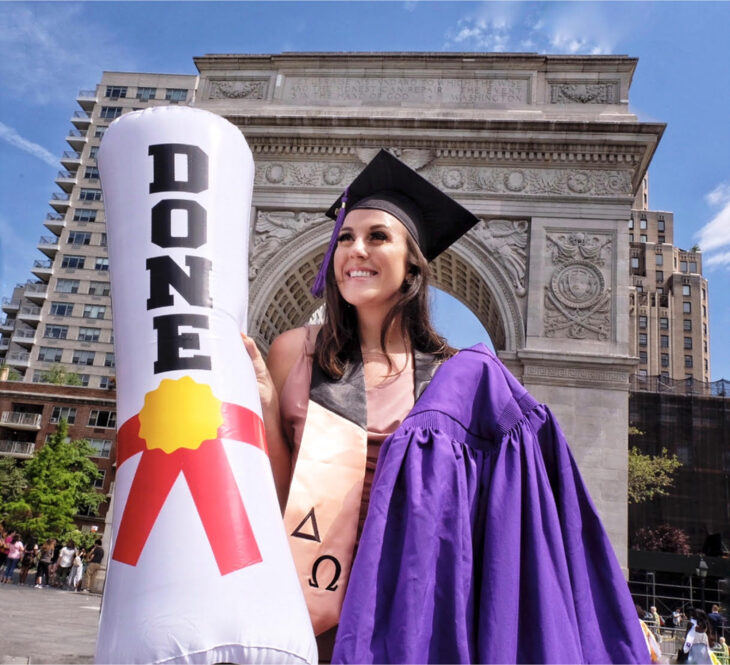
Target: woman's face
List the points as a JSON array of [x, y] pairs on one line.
[[371, 259]]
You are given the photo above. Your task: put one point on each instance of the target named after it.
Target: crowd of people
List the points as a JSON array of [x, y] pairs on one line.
[[55, 564]]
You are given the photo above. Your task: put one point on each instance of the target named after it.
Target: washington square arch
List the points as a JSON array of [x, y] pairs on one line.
[[542, 148]]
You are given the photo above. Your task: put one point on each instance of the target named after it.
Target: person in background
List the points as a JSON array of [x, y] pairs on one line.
[[29, 558], [77, 569], [45, 557], [15, 551], [65, 561], [717, 620], [94, 558]]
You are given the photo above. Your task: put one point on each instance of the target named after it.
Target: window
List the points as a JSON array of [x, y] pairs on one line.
[[89, 334], [56, 332], [71, 261], [67, 286], [102, 418], [682, 266], [176, 94], [66, 439], [693, 266], [665, 375], [110, 112], [50, 354], [640, 288], [631, 224], [660, 225], [664, 323], [93, 150], [62, 309], [642, 238], [66, 413], [102, 263], [82, 357], [642, 322], [704, 295], [659, 275], [642, 357], [98, 288], [99, 131], [84, 215], [688, 343], [661, 239], [635, 262], [660, 291], [116, 91], [686, 291], [642, 224], [90, 195], [102, 240], [664, 341], [145, 94], [660, 259], [665, 360], [631, 237], [99, 480], [704, 311], [84, 378], [642, 373], [687, 307], [105, 381], [92, 173], [704, 328], [79, 238], [103, 447], [642, 339], [109, 360], [94, 311], [688, 361]]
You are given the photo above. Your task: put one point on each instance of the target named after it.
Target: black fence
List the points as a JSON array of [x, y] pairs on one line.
[[657, 384]]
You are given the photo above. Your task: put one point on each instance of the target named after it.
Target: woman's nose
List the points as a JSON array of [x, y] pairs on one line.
[[358, 247]]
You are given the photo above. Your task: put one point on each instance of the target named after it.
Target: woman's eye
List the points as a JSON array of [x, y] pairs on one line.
[[345, 237], [379, 235]]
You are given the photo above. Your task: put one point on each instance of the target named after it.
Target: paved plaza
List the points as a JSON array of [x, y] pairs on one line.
[[47, 625]]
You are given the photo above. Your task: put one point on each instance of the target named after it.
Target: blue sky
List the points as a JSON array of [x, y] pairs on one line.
[[50, 51]]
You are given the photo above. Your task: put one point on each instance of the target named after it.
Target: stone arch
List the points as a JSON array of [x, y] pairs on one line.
[[280, 298]]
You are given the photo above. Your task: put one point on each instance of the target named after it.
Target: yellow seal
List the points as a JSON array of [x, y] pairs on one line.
[[179, 413]]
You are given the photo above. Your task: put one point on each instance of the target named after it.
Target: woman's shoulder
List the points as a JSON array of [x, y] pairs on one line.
[[287, 348]]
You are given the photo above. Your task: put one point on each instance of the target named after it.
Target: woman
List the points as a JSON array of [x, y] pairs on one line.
[[432, 579], [45, 556], [15, 551]]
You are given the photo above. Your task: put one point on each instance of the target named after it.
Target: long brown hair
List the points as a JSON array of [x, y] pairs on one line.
[[338, 341]]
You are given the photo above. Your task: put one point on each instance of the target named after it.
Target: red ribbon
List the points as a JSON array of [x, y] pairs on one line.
[[212, 486]]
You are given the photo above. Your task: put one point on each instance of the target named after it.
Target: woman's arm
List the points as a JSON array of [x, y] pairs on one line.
[[284, 352]]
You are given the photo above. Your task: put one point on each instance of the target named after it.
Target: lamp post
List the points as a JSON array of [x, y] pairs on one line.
[[701, 572]]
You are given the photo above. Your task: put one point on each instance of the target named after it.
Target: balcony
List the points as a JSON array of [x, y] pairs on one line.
[[81, 119], [66, 181], [42, 269], [86, 99], [55, 222], [48, 245], [71, 160], [19, 449], [36, 292], [76, 139], [10, 305], [8, 325], [30, 314], [24, 337], [4, 344], [60, 202], [17, 359]]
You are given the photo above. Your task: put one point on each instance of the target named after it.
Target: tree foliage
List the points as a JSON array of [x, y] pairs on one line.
[[13, 374], [59, 375], [662, 538], [650, 475], [60, 481], [12, 480]]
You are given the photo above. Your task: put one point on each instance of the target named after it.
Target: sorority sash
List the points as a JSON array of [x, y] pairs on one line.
[[322, 512]]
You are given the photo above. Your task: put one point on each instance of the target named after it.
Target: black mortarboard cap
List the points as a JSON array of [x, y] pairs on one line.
[[433, 218]]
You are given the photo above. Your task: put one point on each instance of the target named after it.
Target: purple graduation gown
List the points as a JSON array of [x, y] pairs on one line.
[[481, 544]]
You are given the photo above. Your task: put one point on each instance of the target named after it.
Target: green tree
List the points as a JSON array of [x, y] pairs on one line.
[[59, 375], [650, 475], [12, 480], [60, 479], [13, 374]]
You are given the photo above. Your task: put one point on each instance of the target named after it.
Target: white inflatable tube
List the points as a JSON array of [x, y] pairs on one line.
[[199, 570]]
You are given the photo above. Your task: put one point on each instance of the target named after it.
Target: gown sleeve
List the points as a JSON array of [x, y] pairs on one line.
[[481, 543]]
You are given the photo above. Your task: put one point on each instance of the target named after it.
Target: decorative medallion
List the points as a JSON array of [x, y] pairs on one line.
[[579, 182], [515, 181], [578, 285], [453, 179], [275, 173], [333, 175]]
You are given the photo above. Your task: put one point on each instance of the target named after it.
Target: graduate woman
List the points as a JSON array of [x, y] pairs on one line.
[[475, 539]]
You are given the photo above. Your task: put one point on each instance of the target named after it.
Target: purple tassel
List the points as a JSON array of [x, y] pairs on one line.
[[319, 281]]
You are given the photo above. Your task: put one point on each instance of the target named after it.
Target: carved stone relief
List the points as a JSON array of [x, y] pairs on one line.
[[577, 296], [506, 241], [309, 174], [584, 93], [237, 89], [273, 230], [570, 182], [396, 90]]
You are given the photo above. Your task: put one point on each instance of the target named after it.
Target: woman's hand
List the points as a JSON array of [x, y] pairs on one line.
[[267, 390]]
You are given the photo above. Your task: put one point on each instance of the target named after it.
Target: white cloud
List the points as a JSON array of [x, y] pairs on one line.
[[9, 135], [716, 233], [50, 50]]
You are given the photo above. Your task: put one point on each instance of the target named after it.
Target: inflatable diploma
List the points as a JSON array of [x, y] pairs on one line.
[[199, 569]]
